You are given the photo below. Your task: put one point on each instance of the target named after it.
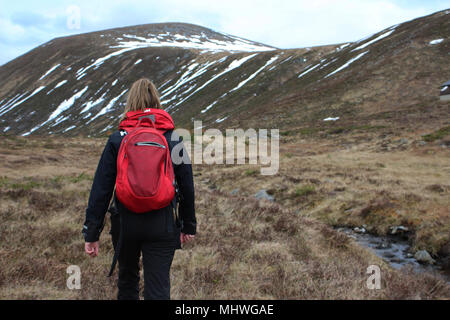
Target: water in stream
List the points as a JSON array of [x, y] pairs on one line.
[[393, 250]]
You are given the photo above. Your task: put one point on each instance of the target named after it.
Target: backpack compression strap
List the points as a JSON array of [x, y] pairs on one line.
[[119, 245]]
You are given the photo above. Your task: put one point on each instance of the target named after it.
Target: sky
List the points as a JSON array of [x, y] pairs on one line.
[[26, 24]]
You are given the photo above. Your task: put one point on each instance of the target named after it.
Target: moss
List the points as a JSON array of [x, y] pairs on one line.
[[289, 155], [437, 135], [26, 185], [304, 190], [4, 181], [287, 133], [251, 172], [81, 177]]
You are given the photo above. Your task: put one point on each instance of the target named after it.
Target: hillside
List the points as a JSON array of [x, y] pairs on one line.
[[81, 80], [364, 145], [79, 83]]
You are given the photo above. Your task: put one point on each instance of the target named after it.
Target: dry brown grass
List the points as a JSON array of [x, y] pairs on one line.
[[346, 183], [245, 248]]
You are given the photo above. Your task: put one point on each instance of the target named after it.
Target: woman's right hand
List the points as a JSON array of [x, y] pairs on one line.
[[186, 237], [91, 248]]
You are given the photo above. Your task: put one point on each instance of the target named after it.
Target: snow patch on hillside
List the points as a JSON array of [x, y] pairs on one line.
[[91, 104], [60, 84], [308, 70], [49, 71], [57, 86], [186, 77], [59, 120], [109, 107], [343, 46], [9, 108], [437, 41], [221, 119], [329, 62], [384, 35], [66, 104], [233, 65], [209, 107], [69, 128], [347, 64], [11, 101], [97, 63], [242, 83], [234, 44]]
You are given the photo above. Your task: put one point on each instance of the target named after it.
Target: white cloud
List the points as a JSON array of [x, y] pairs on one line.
[[302, 23], [283, 23], [10, 32]]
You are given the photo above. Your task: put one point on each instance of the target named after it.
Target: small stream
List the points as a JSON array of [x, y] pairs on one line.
[[394, 250]]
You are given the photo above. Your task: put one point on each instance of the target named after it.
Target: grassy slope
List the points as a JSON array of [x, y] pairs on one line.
[[353, 184], [395, 84], [244, 249], [370, 167]]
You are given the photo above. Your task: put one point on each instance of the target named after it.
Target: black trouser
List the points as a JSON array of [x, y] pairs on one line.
[[155, 235]]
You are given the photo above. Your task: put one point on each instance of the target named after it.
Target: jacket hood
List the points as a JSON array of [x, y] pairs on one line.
[[160, 118]]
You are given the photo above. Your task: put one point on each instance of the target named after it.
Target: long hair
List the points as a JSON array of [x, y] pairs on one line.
[[143, 94]]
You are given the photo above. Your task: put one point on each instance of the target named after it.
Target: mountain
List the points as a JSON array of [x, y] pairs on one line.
[[78, 84], [363, 159]]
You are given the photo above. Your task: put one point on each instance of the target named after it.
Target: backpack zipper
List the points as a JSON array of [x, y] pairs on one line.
[[150, 144]]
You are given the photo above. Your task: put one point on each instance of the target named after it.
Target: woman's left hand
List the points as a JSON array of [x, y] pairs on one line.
[[186, 237]]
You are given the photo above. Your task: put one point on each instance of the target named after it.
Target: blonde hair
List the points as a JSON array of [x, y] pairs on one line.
[[143, 94]]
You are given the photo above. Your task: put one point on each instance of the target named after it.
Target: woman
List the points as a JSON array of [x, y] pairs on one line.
[[155, 233]]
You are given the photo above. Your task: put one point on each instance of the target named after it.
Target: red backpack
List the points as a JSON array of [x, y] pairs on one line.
[[145, 177]]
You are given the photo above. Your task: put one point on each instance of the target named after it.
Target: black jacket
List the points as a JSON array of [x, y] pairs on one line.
[[105, 179]]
